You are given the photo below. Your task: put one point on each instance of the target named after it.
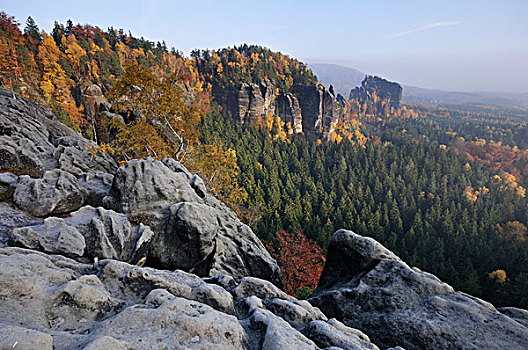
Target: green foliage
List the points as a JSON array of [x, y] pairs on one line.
[[407, 194], [304, 293], [251, 64]]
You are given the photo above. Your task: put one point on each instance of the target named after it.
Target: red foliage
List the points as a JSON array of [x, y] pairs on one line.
[[301, 260], [9, 26], [497, 156]]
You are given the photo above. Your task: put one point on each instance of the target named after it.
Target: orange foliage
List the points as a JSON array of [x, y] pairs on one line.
[[514, 229], [499, 157], [301, 260], [498, 275]]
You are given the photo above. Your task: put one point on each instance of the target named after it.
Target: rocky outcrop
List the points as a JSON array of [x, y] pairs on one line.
[[367, 287], [57, 192], [88, 233], [384, 90], [52, 302], [320, 109], [11, 218], [92, 98], [32, 141], [311, 109], [54, 236], [192, 230]]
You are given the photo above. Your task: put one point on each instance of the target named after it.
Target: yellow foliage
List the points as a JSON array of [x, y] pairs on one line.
[[470, 195], [480, 142], [514, 229], [166, 124], [509, 182], [217, 165], [498, 275]]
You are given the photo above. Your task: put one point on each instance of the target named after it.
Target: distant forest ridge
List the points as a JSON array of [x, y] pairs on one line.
[[344, 79]]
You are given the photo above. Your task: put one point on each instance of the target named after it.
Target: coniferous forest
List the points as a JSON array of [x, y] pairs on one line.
[[441, 186]]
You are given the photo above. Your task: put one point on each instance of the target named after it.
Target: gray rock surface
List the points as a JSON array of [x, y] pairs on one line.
[[11, 218], [366, 287], [335, 334], [105, 343], [13, 337], [297, 313], [49, 301], [56, 192], [517, 314], [312, 109], [88, 232], [94, 187], [54, 236], [251, 286], [109, 235], [143, 185], [273, 333], [31, 141], [192, 230]]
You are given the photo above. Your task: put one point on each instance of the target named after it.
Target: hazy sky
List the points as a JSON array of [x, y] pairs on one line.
[[476, 45]]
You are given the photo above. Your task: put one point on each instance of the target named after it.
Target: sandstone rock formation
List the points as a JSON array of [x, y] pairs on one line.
[[31, 141], [320, 109], [367, 287], [192, 230], [92, 98], [57, 192], [384, 90], [312, 109]]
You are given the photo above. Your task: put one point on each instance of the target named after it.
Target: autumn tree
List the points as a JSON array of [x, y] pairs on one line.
[[514, 229], [301, 261], [163, 120], [55, 85], [10, 36], [217, 165]]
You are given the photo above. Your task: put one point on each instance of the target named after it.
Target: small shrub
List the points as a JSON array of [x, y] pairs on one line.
[[139, 218]]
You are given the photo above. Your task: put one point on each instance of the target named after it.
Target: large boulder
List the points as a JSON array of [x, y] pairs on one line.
[[367, 287], [109, 235], [144, 185], [57, 192], [54, 236], [89, 233], [193, 231], [11, 218]]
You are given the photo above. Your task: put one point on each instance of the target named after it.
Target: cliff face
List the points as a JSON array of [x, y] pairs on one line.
[[310, 109], [320, 109], [384, 90]]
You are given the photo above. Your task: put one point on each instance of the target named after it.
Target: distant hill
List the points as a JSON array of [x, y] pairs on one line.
[[342, 78], [345, 79], [416, 94]]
